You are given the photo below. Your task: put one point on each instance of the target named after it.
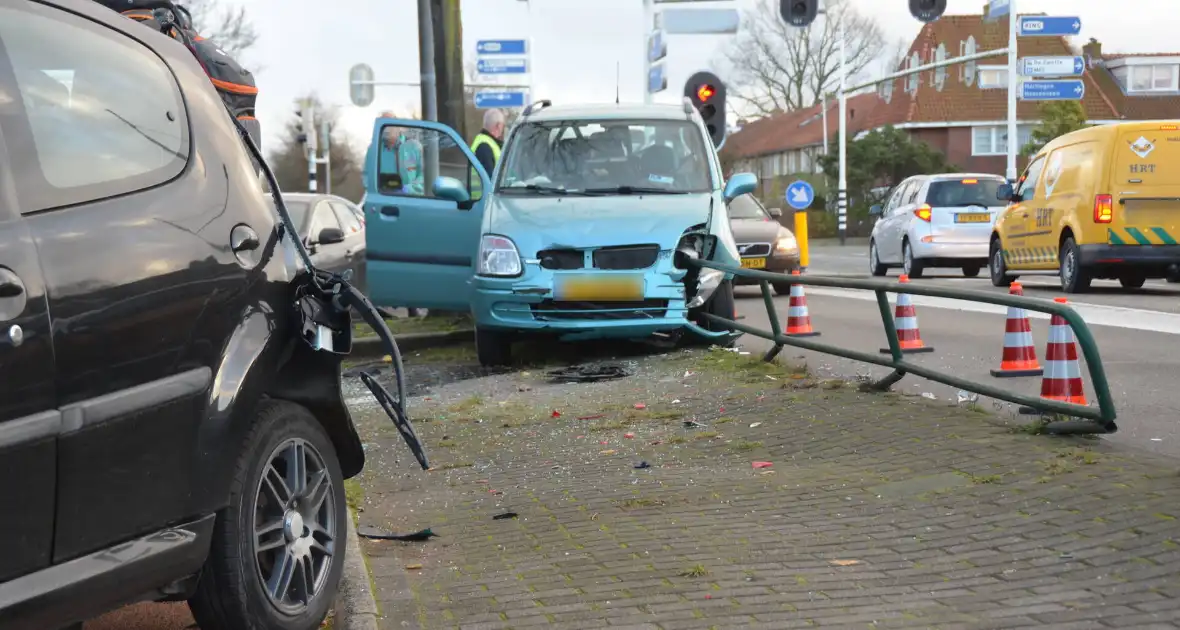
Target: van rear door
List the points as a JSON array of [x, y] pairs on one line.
[[1145, 200], [963, 210]]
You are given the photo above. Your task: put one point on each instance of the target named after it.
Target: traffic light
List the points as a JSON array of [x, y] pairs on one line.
[[927, 10], [802, 12], [706, 92]]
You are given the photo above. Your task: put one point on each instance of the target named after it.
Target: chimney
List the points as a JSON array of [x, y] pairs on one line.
[[1093, 50]]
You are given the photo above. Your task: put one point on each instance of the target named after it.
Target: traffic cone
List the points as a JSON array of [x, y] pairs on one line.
[[1020, 353], [905, 319], [798, 320], [1063, 374]]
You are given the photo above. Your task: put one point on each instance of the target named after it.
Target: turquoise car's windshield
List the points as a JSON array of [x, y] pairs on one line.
[[606, 157]]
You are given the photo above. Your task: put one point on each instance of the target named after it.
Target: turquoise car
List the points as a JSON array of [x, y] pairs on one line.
[[582, 232]]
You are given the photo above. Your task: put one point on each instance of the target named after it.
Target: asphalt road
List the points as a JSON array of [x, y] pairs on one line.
[[1136, 332]]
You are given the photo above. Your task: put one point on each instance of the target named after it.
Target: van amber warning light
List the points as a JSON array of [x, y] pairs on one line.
[[705, 92], [1169, 127], [970, 181]]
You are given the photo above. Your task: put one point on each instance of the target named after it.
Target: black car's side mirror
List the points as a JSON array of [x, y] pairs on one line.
[[330, 235], [775, 212]]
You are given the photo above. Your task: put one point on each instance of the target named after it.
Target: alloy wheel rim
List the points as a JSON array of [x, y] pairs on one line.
[[295, 528], [997, 261], [909, 257], [1067, 267]]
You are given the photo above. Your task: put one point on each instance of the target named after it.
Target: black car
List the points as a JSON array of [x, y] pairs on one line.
[[333, 229], [165, 431], [762, 241]]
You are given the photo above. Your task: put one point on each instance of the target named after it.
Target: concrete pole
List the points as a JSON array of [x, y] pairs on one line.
[[327, 158], [312, 145], [1013, 136], [842, 193], [429, 89], [648, 10]]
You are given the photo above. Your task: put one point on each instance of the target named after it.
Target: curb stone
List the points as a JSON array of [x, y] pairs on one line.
[[370, 346], [355, 609]]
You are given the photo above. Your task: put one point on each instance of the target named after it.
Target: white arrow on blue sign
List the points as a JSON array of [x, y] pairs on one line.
[[501, 66], [657, 79], [1066, 90], [488, 100], [1060, 66], [501, 47], [1047, 26], [799, 195]]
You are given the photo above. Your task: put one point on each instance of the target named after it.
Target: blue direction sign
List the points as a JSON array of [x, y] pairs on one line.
[[501, 47], [799, 195], [657, 78], [1043, 25], [488, 100], [1060, 66], [997, 9], [501, 66], [1066, 90], [657, 47]]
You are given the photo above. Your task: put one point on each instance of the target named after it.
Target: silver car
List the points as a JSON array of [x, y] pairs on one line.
[[935, 221]]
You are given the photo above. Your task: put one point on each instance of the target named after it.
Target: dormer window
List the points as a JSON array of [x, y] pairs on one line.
[[1140, 76], [993, 77]]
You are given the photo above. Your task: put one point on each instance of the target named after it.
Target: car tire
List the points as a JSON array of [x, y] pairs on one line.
[[1074, 277], [493, 348], [781, 288], [997, 269], [1172, 275], [971, 271], [913, 267], [305, 529], [1133, 281], [875, 266]]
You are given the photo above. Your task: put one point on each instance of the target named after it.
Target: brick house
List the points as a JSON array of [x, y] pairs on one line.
[[960, 113]]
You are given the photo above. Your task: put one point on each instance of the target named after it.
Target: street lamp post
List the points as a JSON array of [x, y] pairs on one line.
[[842, 191]]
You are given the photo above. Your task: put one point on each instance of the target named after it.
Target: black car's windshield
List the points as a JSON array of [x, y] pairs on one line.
[[747, 207], [606, 157], [969, 191]]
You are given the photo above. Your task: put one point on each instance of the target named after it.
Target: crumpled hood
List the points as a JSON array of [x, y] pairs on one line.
[[537, 223]]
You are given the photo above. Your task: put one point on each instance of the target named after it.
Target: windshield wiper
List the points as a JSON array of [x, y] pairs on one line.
[[633, 190], [534, 188]]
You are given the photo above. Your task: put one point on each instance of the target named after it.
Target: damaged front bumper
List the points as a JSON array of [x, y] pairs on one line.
[[530, 304]]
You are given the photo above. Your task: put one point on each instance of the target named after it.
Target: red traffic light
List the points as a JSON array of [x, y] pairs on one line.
[[705, 92]]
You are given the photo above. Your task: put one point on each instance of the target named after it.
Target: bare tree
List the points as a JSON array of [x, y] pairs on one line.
[[776, 67], [228, 27]]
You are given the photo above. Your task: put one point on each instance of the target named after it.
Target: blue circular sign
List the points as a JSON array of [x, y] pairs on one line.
[[799, 195]]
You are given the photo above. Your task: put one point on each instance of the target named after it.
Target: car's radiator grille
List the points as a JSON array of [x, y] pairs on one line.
[[626, 257], [642, 309], [754, 249], [562, 259]]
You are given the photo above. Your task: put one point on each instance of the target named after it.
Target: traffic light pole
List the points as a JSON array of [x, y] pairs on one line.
[[842, 192]]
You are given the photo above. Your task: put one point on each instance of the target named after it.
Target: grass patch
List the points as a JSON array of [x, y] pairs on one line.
[[985, 479], [354, 494], [705, 435], [638, 503], [454, 465], [678, 440], [410, 325], [748, 368], [695, 571], [746, 445], [445, 444], [457, 354], [466, 405]]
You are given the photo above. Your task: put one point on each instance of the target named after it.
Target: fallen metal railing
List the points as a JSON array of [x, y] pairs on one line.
[[1100, 419]]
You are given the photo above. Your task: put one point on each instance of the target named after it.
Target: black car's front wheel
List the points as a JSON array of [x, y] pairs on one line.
[[278, 548]]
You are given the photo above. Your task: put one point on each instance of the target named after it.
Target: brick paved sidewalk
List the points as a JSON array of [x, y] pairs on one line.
[[879, 511]]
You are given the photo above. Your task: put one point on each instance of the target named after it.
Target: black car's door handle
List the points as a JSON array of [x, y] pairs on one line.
[[390, 211]]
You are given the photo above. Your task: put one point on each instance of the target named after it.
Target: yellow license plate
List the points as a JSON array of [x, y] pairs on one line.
[[972, 217], [599, 288], [754, 263]]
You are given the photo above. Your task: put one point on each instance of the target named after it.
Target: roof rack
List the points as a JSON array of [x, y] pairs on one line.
[[536, 107]]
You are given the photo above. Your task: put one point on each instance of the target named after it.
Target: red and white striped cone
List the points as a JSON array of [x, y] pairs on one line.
[[798, 318], [1020, 352], [905, 321], [1063, 373]]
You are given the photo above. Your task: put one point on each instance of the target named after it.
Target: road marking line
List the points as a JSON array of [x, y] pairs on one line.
[[1093, 314]]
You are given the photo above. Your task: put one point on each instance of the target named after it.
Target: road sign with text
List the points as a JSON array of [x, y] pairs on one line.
[[1059, 66], [488, 100], [501, 47], [1066, 90], [1047, 26], [657, 47], [492, 65], [657, 78]]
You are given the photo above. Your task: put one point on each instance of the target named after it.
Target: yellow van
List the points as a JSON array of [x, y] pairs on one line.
[[1101, 202]]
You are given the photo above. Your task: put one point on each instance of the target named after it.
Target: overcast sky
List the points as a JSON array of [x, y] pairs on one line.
[[309, 45]]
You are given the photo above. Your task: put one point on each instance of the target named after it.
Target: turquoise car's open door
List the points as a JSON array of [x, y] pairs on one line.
[[421, 242]]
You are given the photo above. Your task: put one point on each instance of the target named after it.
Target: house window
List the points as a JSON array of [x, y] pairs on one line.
[[993, 77], [993, 140], [1154, 78]]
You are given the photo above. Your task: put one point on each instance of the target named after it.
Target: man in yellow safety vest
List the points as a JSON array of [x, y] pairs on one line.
[[486, 147]]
